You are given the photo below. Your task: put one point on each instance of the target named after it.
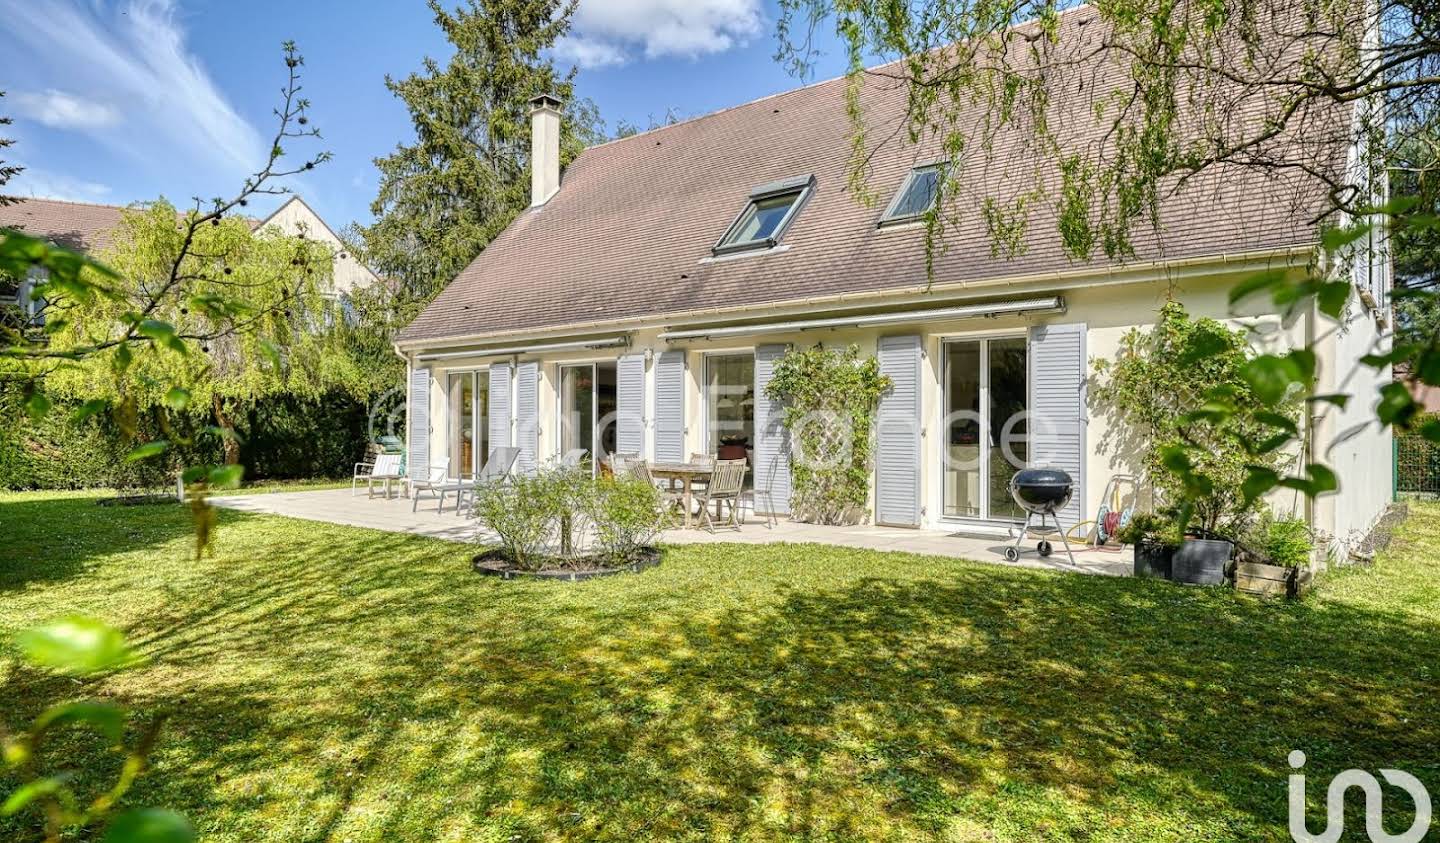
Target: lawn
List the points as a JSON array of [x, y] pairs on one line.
[[328, 683]]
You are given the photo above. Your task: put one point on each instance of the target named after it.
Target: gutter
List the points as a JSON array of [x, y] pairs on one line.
[[1061, 279]]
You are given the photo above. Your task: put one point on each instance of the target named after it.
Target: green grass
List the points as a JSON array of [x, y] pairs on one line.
[[328, 683]]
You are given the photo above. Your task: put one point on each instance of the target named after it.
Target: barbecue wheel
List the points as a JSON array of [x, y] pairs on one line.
[[1012, 554], [1044, 548]]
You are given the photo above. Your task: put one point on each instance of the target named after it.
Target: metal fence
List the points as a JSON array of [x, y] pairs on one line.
[[1417, 465]]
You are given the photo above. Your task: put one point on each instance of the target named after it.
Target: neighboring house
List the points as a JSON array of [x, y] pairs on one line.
[[90, 228], [639, 306]]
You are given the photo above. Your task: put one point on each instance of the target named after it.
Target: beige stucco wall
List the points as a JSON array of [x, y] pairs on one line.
[[296, 218], [1108, 310]]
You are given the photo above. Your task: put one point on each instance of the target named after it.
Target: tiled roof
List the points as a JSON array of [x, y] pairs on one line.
[[83, 226], [629, 234], [75, 225]]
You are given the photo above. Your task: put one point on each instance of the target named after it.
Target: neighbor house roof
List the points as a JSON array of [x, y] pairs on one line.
[[81, 226], [629, 234]]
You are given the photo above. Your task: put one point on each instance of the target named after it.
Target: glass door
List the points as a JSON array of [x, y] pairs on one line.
[[985, 431], [588, 404], [469, 432]]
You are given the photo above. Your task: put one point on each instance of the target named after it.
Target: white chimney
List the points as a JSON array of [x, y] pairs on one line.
[[544, 148]]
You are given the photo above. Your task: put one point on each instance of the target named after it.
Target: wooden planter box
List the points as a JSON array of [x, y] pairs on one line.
[[1258, 578]]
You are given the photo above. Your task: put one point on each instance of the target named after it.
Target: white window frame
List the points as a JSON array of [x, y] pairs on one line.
[[984, 340]]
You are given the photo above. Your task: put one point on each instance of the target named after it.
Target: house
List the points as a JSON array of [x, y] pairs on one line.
[[90, 228], [640, 304]]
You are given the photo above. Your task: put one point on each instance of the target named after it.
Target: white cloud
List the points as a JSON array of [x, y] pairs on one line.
[[60, 110], [609, 32], [132, 58], [43, 183]]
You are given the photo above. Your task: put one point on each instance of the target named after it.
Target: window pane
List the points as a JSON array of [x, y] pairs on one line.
[[762, 218], [962, 429], [1008, 452], [577, 405], [919, 193], [462, 425]]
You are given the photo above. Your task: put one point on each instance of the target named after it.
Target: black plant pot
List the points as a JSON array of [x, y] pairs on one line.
[[1201, 561], [1153, 560]]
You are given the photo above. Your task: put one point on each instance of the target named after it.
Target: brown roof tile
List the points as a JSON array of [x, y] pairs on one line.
[[630, 231], [82, 226]]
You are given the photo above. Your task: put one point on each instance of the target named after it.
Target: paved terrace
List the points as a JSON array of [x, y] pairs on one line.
[[338, 506]]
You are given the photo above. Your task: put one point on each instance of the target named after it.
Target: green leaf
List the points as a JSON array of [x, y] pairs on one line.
[[148, 450], [37, 404], [226, 476], [30, 791], [107, 719], [1396, 405], [193, 474], [75, 645], [177, 398], [1334, 239], [1203, 345], [88, 409], [1431, 430], [1256, 283], [1339, 399], [1427, 368], [1331, 298], [1270, 376], [149, 825], [1259, 481], [1283, 422], [271, 352], [122, 359]]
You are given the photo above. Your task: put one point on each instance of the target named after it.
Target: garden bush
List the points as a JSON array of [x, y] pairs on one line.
[[626, 515], [831, 397], [283, 439], [1283, 540], [543, 519], [1157, 390]]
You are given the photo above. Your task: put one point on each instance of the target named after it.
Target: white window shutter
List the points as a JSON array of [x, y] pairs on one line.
[[897, 446], [670, 407], [772, 440], [527, 415], [1058, 414], [499, 405], [417, 424], [630, 404]]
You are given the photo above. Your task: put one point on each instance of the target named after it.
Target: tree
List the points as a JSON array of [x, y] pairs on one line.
[[445, 196], [8, 170], [190, 281], [268, 288]]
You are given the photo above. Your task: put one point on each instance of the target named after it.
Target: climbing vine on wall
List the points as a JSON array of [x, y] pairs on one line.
[[831, 396]]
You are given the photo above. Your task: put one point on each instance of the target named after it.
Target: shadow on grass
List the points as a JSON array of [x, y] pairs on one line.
[[346, 684], [48, 539]]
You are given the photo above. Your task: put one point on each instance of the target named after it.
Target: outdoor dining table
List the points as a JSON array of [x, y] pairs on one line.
[[687, 473]]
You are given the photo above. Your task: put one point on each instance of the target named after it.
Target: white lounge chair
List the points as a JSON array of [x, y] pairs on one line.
[[385, 468], [496, 470], [434, 482]]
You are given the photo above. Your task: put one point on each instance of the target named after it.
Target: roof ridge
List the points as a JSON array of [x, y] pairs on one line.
[[22, 199], [871, 69]]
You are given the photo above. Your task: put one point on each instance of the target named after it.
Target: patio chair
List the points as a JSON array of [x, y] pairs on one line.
[[433, 483], [761, 492], [383, 468], [620, 463], [670, 498], [497, 469], [725, 488], [701, 459], [573, 457]]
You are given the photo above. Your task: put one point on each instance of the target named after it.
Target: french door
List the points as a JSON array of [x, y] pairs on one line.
[[469, 430], [588, 403], [985, 426]]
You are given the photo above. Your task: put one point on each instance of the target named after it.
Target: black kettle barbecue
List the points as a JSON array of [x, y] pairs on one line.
[[1040, 492]]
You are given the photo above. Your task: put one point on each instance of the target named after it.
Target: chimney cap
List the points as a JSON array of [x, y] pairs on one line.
[[540, 101]]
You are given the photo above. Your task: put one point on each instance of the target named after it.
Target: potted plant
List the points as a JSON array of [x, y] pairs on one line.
[[1274, 555], [732, 447], [1201, 559], [1154, 538]]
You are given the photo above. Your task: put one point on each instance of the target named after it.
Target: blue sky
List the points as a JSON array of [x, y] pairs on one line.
[[123, 100]]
